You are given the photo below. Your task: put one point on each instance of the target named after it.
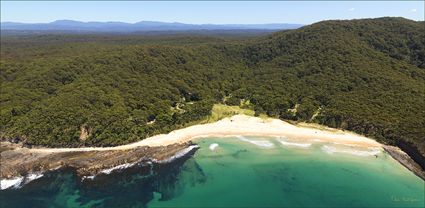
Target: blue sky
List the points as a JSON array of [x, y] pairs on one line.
[[218, 12]]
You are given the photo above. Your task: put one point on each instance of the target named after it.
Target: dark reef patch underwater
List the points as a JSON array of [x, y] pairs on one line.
[[132, 187], [232, 172]]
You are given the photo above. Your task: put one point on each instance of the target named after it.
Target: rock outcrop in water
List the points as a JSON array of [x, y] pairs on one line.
[[18, 162], [404, 159]]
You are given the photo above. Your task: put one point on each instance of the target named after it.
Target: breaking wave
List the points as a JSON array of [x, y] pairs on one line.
[[294, 144], [18, 182], [119, 167], [332, 150], [260, 143], [213, 146], [13, 182], [179, 154]]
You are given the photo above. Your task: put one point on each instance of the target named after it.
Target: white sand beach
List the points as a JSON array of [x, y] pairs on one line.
[[236, 126]]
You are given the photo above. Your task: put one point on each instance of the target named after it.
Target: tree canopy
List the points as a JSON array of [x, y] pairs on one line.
[[366, 76]]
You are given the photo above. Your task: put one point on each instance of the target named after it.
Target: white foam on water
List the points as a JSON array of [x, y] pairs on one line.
[[294, 144], [18, 182], [370, 152], [179, 154], [260, 143], [119, 167], [127, 165], [54, 169], [213, 146], [87, 177], [32, 177], [13, 182]]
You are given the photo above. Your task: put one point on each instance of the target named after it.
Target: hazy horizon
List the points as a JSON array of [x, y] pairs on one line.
[[209, 12], [266, 23], [112, 21]]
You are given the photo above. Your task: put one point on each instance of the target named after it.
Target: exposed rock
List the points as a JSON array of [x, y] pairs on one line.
[[405, 160], [20, 161]]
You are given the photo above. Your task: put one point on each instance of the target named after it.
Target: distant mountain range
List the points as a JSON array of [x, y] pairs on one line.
[[71, 25]]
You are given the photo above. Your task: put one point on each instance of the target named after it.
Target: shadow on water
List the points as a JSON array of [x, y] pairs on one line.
[[132, 187]]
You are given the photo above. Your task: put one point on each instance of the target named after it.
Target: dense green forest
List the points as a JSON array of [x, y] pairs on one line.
[[366, 76]]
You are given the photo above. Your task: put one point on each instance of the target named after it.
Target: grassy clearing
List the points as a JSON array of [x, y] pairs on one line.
[[220, 111]]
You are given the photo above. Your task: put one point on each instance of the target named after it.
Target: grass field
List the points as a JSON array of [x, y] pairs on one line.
[[220, 111]]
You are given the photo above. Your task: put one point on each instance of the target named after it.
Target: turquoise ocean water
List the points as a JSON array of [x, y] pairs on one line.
[[238, 172]]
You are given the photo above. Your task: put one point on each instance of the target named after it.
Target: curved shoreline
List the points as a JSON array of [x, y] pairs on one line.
[[91, 160], [235, 126]]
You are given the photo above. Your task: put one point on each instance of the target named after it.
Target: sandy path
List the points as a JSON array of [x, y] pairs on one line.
[[238, 125]]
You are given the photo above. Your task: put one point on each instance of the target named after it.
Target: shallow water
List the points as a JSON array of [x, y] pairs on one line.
[[238, 172]]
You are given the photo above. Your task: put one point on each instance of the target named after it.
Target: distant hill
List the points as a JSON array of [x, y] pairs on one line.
[[71, 25]]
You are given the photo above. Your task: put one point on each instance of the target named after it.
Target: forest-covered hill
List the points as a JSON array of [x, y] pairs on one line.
[[366, 75]]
